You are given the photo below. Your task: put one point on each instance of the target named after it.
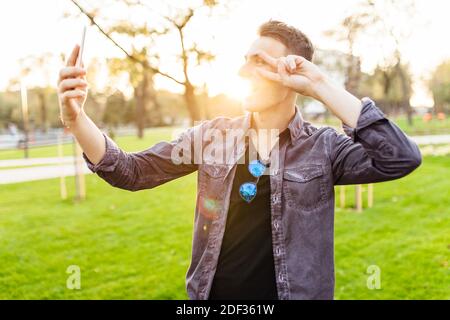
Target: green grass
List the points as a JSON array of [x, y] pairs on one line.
[[421, 127], [128, 245], [137, 245], [406, 234]]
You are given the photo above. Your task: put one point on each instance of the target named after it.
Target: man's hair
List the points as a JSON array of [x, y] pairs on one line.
[[296, 41]]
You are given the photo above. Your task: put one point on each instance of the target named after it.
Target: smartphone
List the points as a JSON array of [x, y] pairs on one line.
[[80, 54]]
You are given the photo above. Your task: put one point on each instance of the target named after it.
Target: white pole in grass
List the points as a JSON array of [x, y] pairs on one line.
[[24, 98], [79, 175], [62, 180], [370, 195], [342, 197], [358, 198]]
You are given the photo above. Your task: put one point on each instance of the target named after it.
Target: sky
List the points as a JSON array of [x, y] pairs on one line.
[[30, 27]]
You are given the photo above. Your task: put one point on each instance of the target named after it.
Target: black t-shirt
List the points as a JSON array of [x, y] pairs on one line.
[[245, 269]]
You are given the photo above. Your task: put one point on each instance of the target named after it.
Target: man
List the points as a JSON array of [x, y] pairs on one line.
[[259, 236]]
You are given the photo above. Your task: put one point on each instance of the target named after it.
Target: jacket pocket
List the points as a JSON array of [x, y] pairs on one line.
[[211, 178], [211, 190], [304, 186]]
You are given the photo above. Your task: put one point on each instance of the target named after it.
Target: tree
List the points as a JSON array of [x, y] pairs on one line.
[[351, 28], [390, 86], [439, 85], [176, 22], [392, 13], [115, 110], [380, 20], [37, 66], [8, 107]]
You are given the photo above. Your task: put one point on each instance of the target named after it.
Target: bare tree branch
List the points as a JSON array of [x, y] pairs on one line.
[[144, 63]]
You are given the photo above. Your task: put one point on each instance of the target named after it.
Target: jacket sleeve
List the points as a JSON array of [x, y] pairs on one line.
[[149, 168], [376, 150]]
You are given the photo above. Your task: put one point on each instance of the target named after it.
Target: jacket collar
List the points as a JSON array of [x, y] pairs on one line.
[[296, 126]]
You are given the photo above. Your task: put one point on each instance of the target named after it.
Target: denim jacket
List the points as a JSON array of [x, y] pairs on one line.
[[302, 191]]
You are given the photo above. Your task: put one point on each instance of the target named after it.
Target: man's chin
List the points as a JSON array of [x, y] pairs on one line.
[[254, 106]]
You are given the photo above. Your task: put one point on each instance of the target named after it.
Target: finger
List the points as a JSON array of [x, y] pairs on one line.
[[268, 58], [269, 75], [299, 60], [73, 56], [71, 94], [291, 63], [282, 69], [71, 72], [72, 84]]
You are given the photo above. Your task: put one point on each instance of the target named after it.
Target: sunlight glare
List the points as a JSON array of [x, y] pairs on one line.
[[238, 89]]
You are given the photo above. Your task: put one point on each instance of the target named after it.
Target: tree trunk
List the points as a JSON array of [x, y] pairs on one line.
[[43, 111], [191, 103], [140, 94], [406, 95], [154, 109], [409, 113], [353, 75]]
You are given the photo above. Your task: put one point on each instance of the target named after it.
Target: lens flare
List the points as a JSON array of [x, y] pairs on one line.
[[209, 208]]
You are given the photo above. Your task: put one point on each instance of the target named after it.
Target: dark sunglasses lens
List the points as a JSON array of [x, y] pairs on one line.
[[248, 191], [256, 168]]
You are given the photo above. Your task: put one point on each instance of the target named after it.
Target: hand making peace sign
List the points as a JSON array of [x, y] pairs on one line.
[[292, 71]]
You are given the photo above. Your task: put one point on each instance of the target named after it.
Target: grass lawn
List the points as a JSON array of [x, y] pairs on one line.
[[137, 245], [420, 127], [129, 143]]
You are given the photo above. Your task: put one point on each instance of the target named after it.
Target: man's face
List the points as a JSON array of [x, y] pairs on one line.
[[264, 93]]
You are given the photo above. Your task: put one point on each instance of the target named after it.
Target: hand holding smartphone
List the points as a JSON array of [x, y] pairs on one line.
[[72, 89]]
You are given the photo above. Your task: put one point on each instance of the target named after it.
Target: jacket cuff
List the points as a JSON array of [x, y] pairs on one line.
[[110, 159], [370, 114]]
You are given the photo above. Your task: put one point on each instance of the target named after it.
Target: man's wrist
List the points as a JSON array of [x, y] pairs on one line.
[[339, 101], [73, 125], [321, 88]]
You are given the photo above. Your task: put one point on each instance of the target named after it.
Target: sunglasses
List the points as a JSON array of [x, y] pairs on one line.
[[248, 190]]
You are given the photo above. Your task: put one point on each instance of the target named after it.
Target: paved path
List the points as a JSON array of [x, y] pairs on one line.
[[54, 167], [432, 139], [34, 161], [8, 176]]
